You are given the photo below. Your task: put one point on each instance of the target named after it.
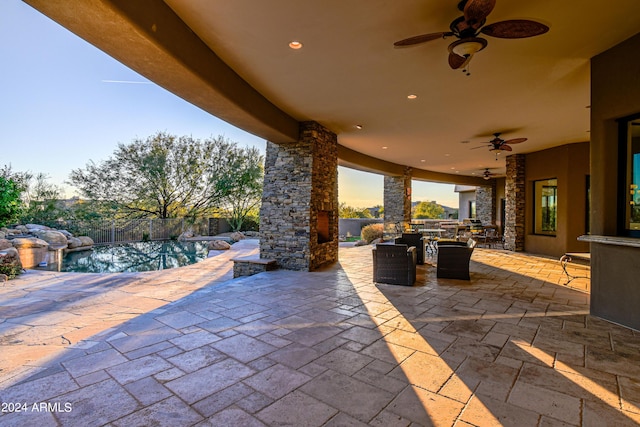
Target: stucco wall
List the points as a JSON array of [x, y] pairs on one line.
[[463, 203], [569, 164], [615, 93]]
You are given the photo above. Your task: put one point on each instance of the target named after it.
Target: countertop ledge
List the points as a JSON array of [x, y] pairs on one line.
[[611, 240]]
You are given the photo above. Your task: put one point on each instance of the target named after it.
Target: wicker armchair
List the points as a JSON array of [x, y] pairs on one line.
[[394, 264], [453, 259], [413, 239]]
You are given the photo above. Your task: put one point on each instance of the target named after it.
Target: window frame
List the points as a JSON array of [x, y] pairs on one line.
[[625, 148], [538, 207]]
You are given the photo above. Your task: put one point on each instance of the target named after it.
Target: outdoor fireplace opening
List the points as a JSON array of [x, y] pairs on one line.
[[323, 228]]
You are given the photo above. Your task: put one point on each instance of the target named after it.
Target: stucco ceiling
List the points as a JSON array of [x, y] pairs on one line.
[[348, 73]]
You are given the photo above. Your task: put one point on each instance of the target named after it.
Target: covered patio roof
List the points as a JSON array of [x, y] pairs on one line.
[[232, 59]]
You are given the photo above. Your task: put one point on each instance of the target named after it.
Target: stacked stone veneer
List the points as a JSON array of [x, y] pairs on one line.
[[515, 203], [300, 180], [486, 203], [397, 203]]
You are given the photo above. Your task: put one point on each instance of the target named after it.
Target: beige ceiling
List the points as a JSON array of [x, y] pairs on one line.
[[349, 73]]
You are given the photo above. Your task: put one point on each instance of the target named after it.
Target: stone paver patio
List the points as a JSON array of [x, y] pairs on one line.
[[510, 347]]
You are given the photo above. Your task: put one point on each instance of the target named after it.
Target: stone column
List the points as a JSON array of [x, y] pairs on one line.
[[397, 203], [515, 203], [299, 212], [486, 203]]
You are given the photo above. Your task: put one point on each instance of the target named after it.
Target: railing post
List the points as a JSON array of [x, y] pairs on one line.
[[150, 229], [113, 231]]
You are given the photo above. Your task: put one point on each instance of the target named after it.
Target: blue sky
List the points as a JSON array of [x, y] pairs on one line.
[[64, 103]]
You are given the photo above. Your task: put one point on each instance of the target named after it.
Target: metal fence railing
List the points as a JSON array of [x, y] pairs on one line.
[[134, 230]]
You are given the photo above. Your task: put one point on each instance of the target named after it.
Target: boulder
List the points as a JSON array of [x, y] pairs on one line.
[[36, 227], [66, 233], [3, 235], [237, 236], [10, 264], [361, 243], [53, 237], [86, 241], [29, 242], [218, 245], [188, 234], [11, 231], [4, 244], [22, 229], [73, 242]]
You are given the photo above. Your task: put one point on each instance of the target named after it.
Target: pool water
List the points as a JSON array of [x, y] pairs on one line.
[[132, 257]]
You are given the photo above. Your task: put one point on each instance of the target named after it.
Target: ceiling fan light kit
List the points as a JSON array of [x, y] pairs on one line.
[[467, 28]]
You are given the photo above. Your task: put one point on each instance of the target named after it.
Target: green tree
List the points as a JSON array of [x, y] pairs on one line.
[[431, 210], [346, 211], [246, 188], [10, 202], [163, 176]]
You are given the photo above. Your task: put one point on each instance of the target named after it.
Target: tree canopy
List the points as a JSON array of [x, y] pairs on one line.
[[10, 202], [166, 176], [346, 211], [428, 210]]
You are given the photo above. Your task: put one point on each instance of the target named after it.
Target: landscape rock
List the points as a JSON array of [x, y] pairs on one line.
[[73, 242], [2, 235], [66, 233], [29, 242], [54, 238], [10, 262], [36, 227], [361, 243], [4, 243], [22, 229], [237, 236], [218, 245], [86, 240], [186, 235]]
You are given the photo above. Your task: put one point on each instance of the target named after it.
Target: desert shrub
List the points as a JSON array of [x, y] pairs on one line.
[[11, 271], [371, 232]]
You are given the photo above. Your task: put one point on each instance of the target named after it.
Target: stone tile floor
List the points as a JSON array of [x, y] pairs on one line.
[[329, 348]]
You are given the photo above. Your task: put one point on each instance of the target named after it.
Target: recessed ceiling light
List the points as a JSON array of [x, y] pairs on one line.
[[453, 169], [412, 96], [295, 45], [447, 155], [359, 127], [423, 160], [384, 148]]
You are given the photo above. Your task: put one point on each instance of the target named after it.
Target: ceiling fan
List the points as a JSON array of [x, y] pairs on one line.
[[498, 144], [467, 28], [487, 174]]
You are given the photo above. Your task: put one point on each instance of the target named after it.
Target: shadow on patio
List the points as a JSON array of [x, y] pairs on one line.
[[331, 348]]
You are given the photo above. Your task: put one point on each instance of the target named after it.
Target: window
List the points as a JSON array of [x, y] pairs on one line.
[[630, 167], [472, 209], [545, 196]]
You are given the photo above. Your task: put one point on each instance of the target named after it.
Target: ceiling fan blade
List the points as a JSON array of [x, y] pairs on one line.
[[476, 11], [515, 141], [506, 148], [456, 61], [483, 146], [514, 29], [421, 39]]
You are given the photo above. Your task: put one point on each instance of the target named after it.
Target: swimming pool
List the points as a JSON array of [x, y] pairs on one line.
[[132, 257]]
